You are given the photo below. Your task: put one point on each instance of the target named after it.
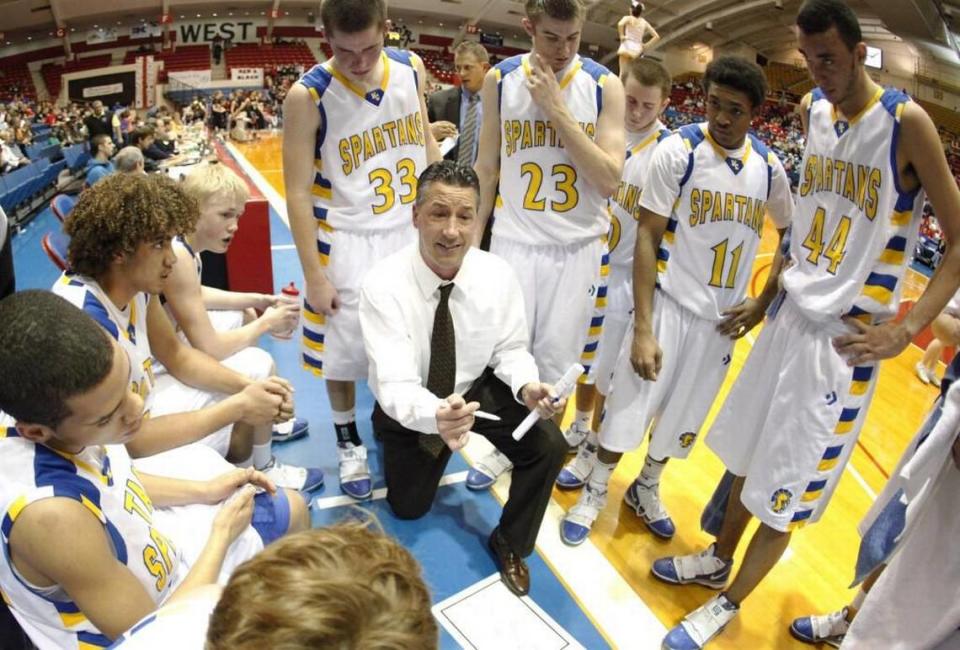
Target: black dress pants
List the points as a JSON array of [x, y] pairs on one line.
[[413, 475]]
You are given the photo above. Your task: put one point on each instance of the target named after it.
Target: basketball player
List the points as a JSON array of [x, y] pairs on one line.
[[552, 141], [792, 418], [224, 323], [354, 144], [90, 543], [646, 85], [700, 223], [121, 255]]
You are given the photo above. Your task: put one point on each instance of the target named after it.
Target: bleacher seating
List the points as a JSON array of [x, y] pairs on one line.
[[269, 57], [438, 63], [783, 76], [16, 81], [20, 187], [55, 244], [52, 71]]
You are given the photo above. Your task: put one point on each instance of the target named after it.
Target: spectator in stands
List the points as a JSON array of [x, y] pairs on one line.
[[217, 48], [452, 109], [129, 160], [11, 156], [98, 121], [144, 138], [100, 165], [166, 139]]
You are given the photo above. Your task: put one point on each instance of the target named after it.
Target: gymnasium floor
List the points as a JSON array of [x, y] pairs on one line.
[[600, 594]]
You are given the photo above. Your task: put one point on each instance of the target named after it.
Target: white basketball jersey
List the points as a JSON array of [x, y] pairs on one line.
[[625, 204], [104, 481], [716, 201], [855, 228], [370, 149], [128, 326], [543, 199]]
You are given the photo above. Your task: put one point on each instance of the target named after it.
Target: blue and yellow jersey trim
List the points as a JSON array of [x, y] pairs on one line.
[[501, 70], [830, 458]]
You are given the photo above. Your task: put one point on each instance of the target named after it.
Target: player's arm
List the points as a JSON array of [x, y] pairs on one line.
[[645, 354], [187, 364], [661, 187], [805, 103], [433, 150], [920, 156], [214, 298], [487, 165], [58, 541], [300, 124], [166, 492], [185, 298], [621, 27], [599, 160]]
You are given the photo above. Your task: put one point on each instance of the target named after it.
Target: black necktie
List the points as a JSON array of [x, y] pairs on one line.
[[442, 376]]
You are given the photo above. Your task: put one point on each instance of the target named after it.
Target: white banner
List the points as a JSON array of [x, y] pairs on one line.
[[146, 30], [100, 91], [247, 74], [191, 77], [101, 35]]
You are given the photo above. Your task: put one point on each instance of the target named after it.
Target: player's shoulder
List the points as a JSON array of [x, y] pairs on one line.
[[596, 71], [315, 81], [405, 57], [509, 66]]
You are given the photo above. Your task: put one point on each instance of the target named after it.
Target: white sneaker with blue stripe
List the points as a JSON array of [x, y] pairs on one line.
[[703, 568], [292, 477], [575, 473], [355, 478], [290, 430], [485, 472], [645, 502], [701, 625], [575, 527], [827, 628]]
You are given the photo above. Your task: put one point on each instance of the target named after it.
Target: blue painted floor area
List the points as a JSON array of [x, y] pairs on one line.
[[450, 541]]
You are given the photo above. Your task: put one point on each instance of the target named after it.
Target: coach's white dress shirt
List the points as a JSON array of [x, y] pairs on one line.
[[397, 303]]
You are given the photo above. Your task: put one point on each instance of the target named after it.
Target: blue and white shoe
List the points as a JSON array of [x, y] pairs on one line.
[[290, 430], [576, 472], [487, 470], [646, 503], [292, 477], [575, 436], [701, 625], [355, 479], [828, 628], [575, 527], [703, 568]]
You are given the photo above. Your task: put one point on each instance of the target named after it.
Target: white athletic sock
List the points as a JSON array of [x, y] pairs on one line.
[[245, 463], [593, 438], [582, 420], [600, 477], [344, 417], [261, 455], [650, 474]]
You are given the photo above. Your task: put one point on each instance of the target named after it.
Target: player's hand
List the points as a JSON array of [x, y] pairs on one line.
[[235, 514], [542, 398], [223, 486], [266, 401], [322, 297], [740, 319], [871, 342], [454, 420], [646, 355], [281, 321], [543, 86], [442, 130]]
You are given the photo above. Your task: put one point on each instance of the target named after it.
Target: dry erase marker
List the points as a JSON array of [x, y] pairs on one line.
[[483, 415]]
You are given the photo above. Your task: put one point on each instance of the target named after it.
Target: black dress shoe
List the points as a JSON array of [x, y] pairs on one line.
[[513, 570]]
